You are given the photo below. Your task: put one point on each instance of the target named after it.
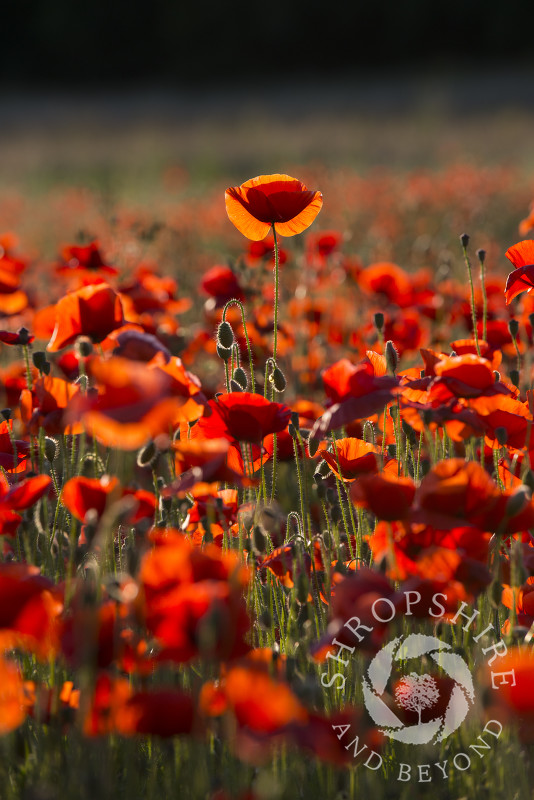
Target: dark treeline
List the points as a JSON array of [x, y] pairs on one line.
[[102, 41]]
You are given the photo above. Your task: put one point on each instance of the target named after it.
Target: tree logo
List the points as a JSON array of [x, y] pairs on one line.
[[415, 692]]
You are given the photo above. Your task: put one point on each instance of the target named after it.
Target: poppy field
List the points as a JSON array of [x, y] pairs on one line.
[[252, 438]]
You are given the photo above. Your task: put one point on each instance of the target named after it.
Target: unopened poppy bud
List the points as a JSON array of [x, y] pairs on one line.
[[496, 594], [528, 479], [278, 379], [464, 238], [235, 386], [291, 430], [331, 495], [302, 588], [409, 433], [147, 455], [313, 446], [265, 620], [320, 488], [51, 449], [392, 357], [208, 535], [259, 540], [39, 360], [24, 336], [224, 352], [336, 514], [323, 468], [514, 377], [225, 335], [518, 501], [393, 412], [513, 327], [295, 419], [501, 434], [84, 346], [327, 539], [240, 377], [379, 321], [481, 255]]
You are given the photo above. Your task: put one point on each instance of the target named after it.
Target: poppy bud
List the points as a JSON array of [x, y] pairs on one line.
[[265, 620], [24, 336], [39, 360], [240, 377], [259, 540], [224, 352], [336, 514], [379, 321], [481, 255], [83, 346], [513, 327], [51, 449], [278, 379], [464, 238], [291, 430], [528, 479], [6, 413], [327, 540], [514, 377], [295, 421], [392, 357], [320, 488], [517, 501], [225, 335], [501, 434], [302, 588], [147, 455], [313, 446], [392, 450], [409, 433], [235, 386]]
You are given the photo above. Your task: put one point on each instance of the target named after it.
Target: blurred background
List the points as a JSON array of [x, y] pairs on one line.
[[110, 91]]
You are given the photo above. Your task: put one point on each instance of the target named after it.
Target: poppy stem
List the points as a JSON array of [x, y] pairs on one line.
[[276, 269], [473, 306]]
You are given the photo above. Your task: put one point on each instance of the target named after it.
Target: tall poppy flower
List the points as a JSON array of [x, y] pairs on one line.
[[279, 200]]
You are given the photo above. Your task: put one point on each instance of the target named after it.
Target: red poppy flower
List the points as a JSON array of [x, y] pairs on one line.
[[243, 416], [355, 457], [522, 278], [84, 258], [92, 311], [258, 204]]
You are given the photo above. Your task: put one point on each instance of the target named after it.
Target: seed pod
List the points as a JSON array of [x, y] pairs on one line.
[[278, 379], [501, 434], [83, 346], [379, 321], [240, 377], [225, 335], [39, 360], [392, 357], [513, 327], [481, 255], [24, 336], [464, 238]]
